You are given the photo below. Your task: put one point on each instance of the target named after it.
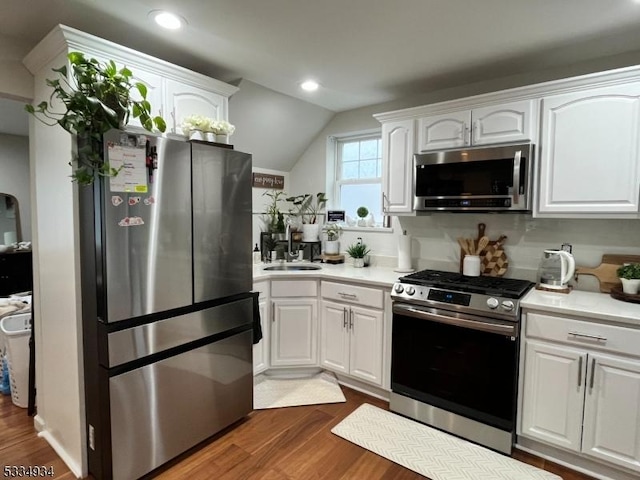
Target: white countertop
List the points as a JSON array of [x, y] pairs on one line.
[[372, 275], [589, 305]]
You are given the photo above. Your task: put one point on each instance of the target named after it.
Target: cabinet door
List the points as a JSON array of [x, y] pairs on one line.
[[294, 332], [511, 122], [553, 394], [397, 166], [260, 351], [590, 151], [153, 82], [365, 360], [183, 100], [612, 411], [444, 131], [334, 337]]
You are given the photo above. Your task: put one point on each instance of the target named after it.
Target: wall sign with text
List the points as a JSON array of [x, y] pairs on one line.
[[264, 180]]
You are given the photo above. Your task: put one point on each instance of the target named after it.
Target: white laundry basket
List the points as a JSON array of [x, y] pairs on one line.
[[16, 330]]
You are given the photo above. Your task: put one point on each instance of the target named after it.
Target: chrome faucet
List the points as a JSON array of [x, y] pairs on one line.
[[289, 256]]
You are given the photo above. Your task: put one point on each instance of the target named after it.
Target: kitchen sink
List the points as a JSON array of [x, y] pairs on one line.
[[292, 267]]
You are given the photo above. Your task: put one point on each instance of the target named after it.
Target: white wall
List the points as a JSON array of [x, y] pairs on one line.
[[14, 176], [15, 80], [59, 375]]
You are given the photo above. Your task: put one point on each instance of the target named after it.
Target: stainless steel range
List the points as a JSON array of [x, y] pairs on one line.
[[454, 360]]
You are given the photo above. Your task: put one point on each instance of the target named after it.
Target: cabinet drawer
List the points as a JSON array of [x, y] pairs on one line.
[[370, 297], [591, 335], [294, 288]]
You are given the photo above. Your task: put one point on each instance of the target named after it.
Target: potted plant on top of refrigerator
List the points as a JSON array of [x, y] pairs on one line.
[[96, 97]]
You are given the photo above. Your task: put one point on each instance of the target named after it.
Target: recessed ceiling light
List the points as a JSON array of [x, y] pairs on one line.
[[167, 20], [309, 86]]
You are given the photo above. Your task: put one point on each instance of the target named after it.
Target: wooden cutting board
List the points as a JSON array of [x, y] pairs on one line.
[[606, 271], [493, 259]]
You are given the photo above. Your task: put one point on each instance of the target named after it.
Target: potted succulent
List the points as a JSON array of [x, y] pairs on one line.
[[358, 251], [362, 213], [629, 275], [95, 98], [307, 207], [332, 245]]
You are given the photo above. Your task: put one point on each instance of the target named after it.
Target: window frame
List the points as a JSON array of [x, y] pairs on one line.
[[335, 166]]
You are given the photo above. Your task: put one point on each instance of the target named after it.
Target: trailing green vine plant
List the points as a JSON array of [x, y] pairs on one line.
[[96, 98]]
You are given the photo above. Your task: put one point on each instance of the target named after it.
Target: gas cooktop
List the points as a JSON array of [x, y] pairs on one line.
[[503, 287]]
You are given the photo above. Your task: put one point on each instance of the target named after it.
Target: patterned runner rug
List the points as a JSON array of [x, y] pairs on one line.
[[430, 452], [269, 392]]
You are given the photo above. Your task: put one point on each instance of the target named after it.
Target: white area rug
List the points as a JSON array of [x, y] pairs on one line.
[[430, 452], [269, 392]]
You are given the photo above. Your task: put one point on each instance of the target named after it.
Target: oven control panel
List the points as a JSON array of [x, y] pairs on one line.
[[462, 301]]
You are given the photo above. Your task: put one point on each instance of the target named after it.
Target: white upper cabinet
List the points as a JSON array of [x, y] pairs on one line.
[[182, 100], [504, 123], [590, 152], [397, 166]]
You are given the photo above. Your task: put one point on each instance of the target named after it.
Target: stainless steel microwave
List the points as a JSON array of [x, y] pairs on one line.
[[478, 179]]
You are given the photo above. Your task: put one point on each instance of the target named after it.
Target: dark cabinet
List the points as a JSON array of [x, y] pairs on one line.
[[16, 272]]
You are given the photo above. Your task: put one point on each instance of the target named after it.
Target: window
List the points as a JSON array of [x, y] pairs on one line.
[[358, 175]]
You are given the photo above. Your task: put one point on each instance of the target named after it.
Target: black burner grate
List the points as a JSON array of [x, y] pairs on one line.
[[504, 287]]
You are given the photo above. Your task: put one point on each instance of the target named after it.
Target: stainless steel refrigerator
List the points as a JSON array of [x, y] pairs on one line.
[[167, 307]]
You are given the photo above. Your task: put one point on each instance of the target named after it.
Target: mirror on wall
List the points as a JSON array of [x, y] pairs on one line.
[[9, 220]]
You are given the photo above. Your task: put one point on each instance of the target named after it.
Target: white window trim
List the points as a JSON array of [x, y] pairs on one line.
[[332, 185]]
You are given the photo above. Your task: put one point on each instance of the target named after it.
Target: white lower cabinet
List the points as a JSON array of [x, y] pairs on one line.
[[261, 349], [294, 323], [578, 393], [351, 335]]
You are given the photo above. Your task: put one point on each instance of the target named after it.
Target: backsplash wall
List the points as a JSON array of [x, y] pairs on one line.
[[434, 243]]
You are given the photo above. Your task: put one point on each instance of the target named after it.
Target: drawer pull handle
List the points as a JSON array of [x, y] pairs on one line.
[[588, 335], [580, 372], [348, 295]]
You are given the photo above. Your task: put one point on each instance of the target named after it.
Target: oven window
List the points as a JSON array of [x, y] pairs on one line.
[[468, 372], [482, 177]]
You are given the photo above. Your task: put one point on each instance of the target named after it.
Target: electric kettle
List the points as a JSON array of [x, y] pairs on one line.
[[556, 269]]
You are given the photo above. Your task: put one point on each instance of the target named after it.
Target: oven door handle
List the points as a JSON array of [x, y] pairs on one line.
[[497, 328]]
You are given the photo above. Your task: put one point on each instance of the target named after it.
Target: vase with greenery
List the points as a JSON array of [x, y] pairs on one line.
[[307, 208], [358, 251], [95, 97], [332, 245], [629, 275]]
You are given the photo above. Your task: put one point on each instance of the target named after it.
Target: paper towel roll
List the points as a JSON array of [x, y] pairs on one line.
[[10, 237], [404, 253]]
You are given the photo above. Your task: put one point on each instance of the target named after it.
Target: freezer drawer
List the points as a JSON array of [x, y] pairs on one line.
[[163, 409]]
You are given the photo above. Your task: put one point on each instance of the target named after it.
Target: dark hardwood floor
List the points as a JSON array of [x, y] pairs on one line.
[[278, 444]]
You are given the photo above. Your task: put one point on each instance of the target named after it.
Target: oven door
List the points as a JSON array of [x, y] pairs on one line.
[[460, 363]]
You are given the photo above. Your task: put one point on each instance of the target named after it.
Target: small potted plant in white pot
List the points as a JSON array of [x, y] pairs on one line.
[[629, 275], [358, 251], [362, 212], [223, 130], [308, 207], [332, 245]]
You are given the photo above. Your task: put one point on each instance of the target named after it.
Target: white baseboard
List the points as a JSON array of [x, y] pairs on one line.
[[38, 423], [62, 453], [377, 392]]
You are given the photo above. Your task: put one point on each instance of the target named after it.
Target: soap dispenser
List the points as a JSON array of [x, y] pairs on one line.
[[256, 255]]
